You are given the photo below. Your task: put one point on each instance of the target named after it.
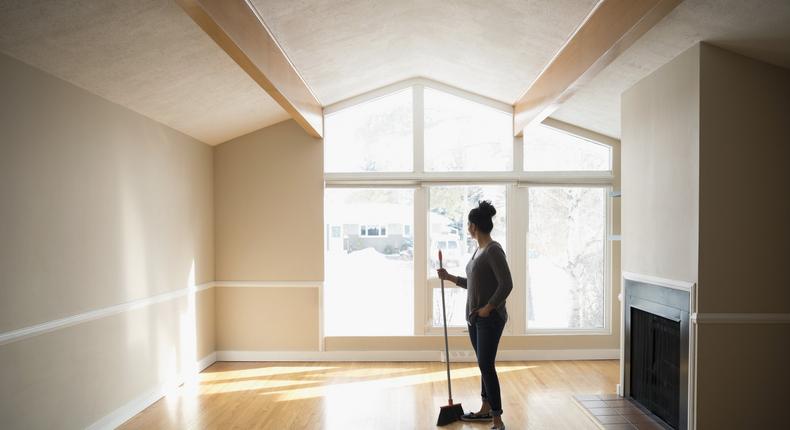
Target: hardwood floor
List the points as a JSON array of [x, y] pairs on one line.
[[235, 395]]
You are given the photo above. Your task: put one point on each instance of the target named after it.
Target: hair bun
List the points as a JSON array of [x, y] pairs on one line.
[[486, 208]]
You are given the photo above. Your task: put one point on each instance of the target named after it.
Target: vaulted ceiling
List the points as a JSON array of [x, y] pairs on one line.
[[149, 56], [493, 48], [756, 28]]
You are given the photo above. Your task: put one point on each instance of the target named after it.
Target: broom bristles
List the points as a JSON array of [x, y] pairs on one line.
[[449, 414]]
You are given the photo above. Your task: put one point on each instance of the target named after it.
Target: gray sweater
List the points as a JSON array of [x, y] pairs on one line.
[[487, 280]]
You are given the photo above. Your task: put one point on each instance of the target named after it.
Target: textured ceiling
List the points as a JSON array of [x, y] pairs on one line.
[[147, 55], [756, 28], [492, 48]]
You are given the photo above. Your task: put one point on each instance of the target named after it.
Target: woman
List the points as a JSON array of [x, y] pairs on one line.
[[488, 284]]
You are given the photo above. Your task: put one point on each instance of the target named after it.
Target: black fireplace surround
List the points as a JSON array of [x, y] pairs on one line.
[[656, 350]]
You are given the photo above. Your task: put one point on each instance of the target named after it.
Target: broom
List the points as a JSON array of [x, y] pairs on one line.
[[451, 412]]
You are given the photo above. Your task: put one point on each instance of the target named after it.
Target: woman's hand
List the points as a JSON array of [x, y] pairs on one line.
[[443, 275], [485, 311]]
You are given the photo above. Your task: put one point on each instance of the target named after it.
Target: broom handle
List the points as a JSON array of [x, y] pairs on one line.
[[446, 345]]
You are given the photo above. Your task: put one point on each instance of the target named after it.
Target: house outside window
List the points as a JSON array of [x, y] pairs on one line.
[[372, 230]]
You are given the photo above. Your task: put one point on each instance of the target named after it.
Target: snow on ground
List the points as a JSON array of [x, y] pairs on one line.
[[551, 294], [367, 293]]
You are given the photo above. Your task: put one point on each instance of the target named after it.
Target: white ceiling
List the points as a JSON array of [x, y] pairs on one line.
[[147, 55], [756, 28], [492, 48]]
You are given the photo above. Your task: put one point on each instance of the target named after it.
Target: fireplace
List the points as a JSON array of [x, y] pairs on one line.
[[655, 364], [656, 355]]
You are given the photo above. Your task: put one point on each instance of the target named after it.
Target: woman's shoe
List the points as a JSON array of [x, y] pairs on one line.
[[473, 417]]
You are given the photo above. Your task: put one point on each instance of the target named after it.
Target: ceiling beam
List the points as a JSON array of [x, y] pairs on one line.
[[611, 28], [238, 29]]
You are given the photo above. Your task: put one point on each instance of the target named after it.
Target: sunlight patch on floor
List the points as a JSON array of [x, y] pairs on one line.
[[224, 375], [253, 384], [354, 388], [370, 372]]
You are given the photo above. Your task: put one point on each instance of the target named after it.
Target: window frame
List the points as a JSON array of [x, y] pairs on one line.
[[428, 328], [560, 127], [607, 282], [369, 97], [321, 292], [502, 108], [517, 182]]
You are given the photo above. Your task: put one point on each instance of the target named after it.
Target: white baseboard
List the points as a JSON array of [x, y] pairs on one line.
[[559, 354], [206, 361], [538, 355], [138, 404], [327, 355], [127, 411], [455, 356]]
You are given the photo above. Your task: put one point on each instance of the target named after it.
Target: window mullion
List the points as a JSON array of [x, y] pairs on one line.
[[518, 219], [420, 235], [518, 154], [525, 260], [418, 126]]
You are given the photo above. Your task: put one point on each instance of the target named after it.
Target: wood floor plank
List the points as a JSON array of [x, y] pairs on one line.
[[233, 395]]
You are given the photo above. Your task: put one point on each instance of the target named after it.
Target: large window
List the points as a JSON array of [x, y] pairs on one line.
[[549, 149], [369, 263], [403, 167], [566, 248], [447, 230], [461, 135], [375, 136]]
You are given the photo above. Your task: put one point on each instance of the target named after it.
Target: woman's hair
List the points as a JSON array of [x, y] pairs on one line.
[[481, 216]]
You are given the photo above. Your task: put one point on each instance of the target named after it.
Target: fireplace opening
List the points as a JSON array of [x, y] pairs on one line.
[[655, 364]]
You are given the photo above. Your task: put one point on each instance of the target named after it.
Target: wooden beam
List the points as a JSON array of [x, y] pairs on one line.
[[611, 28], [238, 29]]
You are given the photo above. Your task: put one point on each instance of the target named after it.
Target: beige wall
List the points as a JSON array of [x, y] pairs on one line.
[[744, 176], [205, 303], [71, 378], [100, 206], [269, 206], [267, 319], [705, 147], [660, 153], [743, 368], [744, 238]]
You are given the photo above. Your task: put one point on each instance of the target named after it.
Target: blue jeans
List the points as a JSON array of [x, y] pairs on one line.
[[485, 334]]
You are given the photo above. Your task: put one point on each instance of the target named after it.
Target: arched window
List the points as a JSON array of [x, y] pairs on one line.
[[465, 136], [403, 167], [549, 149], [375, 136]]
